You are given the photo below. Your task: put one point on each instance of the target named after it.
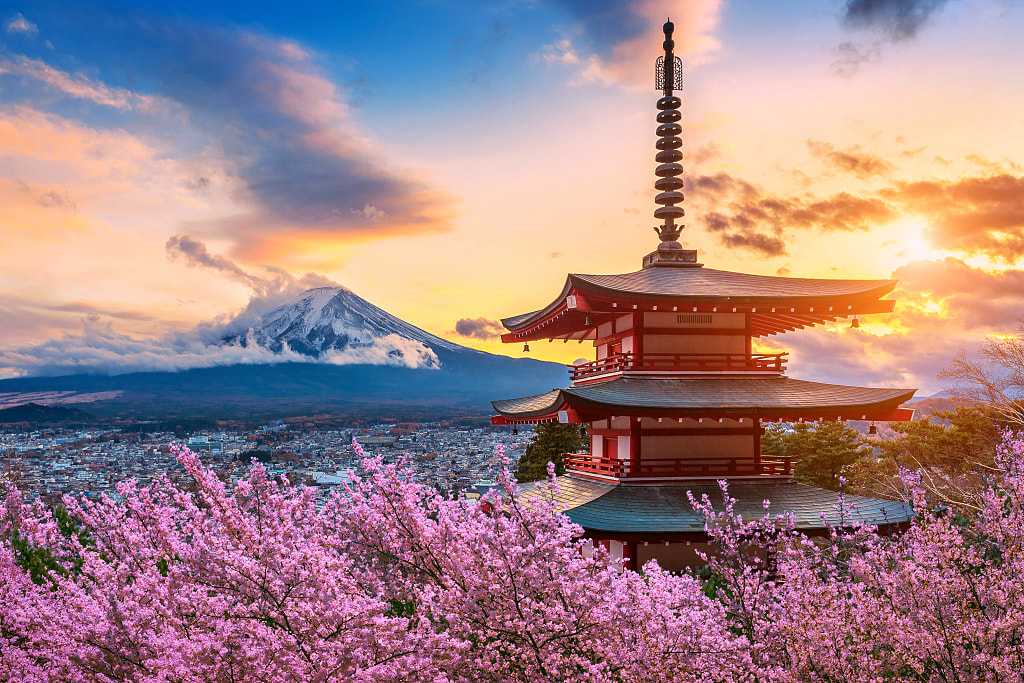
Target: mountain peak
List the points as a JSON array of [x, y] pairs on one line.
[[327, 321]]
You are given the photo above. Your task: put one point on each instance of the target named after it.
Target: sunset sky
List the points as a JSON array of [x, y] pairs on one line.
[[161, 164]]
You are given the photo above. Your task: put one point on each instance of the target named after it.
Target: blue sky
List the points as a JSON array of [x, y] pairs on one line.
[[453, 160]]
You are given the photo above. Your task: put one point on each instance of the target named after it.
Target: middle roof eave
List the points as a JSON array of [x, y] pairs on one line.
[[736, 392], [773, 397]]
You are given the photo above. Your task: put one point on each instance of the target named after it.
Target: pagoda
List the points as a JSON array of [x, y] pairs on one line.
[[676, 399]]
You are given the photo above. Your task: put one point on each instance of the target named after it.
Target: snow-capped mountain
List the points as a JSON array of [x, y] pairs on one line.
[[334, 322], [325, 351]]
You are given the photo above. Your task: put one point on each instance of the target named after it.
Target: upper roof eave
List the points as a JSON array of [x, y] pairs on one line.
[[735, 287]]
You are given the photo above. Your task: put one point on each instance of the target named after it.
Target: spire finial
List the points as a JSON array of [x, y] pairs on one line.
[[668, 79]]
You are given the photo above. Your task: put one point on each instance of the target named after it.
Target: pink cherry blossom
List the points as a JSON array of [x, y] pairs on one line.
[[390, 580]]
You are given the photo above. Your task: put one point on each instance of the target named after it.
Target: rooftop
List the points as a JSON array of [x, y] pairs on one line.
[[604, 508], [777, 397]]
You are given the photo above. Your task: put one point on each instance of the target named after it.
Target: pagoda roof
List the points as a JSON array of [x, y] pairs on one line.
[[771, 398], [800, 301], [664, 509]]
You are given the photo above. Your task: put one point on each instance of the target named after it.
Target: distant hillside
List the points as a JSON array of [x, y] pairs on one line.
[[936, 403], [39, 414], [464, 384]]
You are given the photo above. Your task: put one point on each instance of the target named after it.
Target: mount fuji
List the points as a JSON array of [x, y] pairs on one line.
[[323, 351], [328, 321]]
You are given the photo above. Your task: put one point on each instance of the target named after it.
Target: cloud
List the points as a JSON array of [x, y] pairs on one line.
[[78, 86], [981, 214], [229, 339], [479, 328], [943, 308], [895, 20], [616, 43], [889, 21], [972, 215], [747, 217], [99, 349], [195, 253], [294, 169], [19, 24], [850, 56], [852, 160], [299, 160]]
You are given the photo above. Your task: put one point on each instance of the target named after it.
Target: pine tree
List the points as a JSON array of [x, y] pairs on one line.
[[550, 441]]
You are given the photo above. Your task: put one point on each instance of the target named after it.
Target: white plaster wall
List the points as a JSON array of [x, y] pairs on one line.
[[620, 422], [597, 445], [615, 549], [624, 322]]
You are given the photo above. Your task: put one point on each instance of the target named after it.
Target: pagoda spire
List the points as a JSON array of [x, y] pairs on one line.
[[668, 79]]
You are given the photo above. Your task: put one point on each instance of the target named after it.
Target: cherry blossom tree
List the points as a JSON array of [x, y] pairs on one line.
[[390, 580]]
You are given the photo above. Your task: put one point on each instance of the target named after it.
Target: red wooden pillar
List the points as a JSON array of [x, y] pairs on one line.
[[634, 446], [638, 339], [758, 430], [629, 555], [747, 330]]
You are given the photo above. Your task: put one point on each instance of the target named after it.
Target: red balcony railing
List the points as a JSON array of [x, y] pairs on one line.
[[696, 362], [697, 466]]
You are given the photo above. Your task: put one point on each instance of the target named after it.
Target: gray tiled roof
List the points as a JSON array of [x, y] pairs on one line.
[[539, 404], [570, 493], [734, 393], [708, 283], [665, 508]]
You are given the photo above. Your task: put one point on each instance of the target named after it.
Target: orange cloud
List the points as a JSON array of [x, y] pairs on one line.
[[852, 160]]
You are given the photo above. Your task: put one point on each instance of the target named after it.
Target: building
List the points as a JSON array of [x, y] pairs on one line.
[[676, 399]]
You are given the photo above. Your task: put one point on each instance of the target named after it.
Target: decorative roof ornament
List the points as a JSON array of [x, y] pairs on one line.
[[668, 76]]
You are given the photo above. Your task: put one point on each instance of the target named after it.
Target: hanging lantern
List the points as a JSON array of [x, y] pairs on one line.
[[872, 429], [515, 429], [587, 322], [526, 347], [855, 323]]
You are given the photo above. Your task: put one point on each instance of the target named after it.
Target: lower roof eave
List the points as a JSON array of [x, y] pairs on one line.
[[655, 536]]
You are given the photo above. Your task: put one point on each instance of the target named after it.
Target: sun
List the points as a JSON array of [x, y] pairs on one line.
[[910, 240]]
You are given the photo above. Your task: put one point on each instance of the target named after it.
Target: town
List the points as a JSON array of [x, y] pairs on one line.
[[50, 462]]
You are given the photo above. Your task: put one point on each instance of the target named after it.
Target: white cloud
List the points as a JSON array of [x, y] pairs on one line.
[[19, 24], [79, 86], [99, 349]]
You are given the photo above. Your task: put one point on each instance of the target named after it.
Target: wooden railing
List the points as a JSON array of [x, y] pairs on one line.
[[718, 362], [696, 466]]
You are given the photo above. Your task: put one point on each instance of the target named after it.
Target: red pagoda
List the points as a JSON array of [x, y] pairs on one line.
[[676, 399]]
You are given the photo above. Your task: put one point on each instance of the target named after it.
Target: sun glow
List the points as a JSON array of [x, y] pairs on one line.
[[911, 241]]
